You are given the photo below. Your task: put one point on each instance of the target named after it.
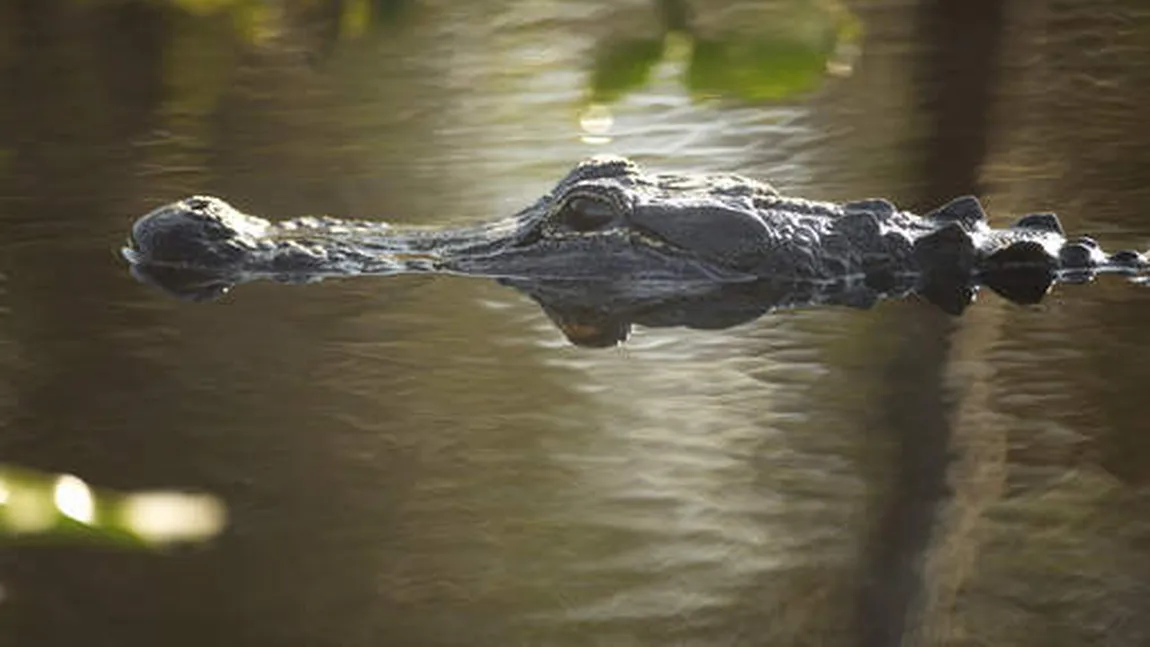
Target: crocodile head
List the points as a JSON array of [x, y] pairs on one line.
[[605, 220]]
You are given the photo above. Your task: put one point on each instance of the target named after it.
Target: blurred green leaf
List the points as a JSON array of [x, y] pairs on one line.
[[787, 51], [355, 18], [37, 507], [761, 70], [622, 67], [790, 56]]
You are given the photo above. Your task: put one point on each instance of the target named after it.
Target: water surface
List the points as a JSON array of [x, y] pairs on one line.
[[427, 461]]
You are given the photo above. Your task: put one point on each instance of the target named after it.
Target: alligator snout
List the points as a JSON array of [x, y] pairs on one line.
[[200, 231]]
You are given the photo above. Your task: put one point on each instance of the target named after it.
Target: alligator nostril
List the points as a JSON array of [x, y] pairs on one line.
[[198, 204]]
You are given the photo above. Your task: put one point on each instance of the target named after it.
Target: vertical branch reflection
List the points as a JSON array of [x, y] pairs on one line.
[[899, 600]]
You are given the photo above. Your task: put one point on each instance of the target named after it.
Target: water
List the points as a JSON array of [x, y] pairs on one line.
[[426, 461]]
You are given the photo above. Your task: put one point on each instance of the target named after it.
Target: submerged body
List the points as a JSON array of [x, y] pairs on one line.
[[609, 221]]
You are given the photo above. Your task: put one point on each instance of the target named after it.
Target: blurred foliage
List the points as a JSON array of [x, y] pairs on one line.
[[625, 66], [759, 70], [789, 51], [61, 508]]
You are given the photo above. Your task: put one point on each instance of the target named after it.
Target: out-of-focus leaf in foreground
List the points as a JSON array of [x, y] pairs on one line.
[[37, 507]]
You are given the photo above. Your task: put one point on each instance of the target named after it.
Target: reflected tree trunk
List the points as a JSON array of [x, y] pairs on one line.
[[960, 75], [913, 409], [917, 409]]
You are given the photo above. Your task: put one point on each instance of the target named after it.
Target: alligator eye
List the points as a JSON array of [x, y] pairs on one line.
[[587, 214]]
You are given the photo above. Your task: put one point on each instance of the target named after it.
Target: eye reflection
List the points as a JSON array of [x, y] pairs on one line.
[[587, 214]]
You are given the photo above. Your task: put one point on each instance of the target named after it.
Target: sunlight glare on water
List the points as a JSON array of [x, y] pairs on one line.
[[678, 473], [596, 121]]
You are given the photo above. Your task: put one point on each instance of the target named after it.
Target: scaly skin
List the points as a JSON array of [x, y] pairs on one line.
[[609, 221]]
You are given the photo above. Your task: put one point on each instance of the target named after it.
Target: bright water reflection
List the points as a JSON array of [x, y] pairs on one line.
[[428, 462]]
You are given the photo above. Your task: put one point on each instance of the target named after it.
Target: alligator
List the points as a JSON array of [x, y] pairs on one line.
[[608, 221]]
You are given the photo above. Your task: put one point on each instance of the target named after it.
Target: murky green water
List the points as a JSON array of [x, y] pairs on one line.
[[413, 461]]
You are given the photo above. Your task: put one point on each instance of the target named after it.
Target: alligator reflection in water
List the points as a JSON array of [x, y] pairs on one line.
[[590, 315], [610, 237], [601, 314]]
